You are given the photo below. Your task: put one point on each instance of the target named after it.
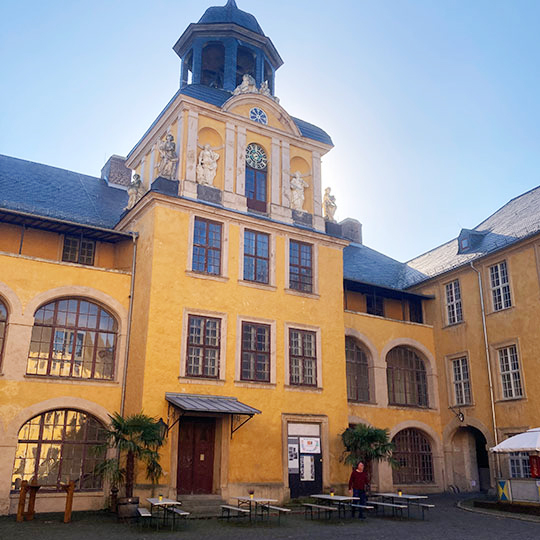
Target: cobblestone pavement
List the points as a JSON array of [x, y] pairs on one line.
[[445, 522]]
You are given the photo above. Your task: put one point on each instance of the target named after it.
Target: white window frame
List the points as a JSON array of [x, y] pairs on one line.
[[510, 372], [501, 295], [519, 465], [454, 308], [222, 349], [318, 353], [461, 380]]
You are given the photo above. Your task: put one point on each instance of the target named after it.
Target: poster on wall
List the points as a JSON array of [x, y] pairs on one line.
[[310, 445], [294, 465], [307, 468]]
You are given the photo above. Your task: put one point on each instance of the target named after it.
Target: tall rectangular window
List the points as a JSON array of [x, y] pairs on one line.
[[203, 344], [500, 286], [300, 266], [453, 302], [256, 256], [510, 372], [78, 250], [375, 305], [255, 352], [462, 383], [302, 357], [207, 246]]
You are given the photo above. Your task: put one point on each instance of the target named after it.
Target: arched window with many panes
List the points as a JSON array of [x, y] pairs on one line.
[[57, 447], [412, 453], [406, 377], [3, 326], [73, 337], [357, 371], [256, 177]]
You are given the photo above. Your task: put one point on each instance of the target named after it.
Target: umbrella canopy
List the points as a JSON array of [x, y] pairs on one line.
[[524, 442]]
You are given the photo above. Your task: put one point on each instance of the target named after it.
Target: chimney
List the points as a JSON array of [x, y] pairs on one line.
[[115, 171], [351, 229]]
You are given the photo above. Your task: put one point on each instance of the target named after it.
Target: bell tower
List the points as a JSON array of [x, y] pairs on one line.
[[224, 45]]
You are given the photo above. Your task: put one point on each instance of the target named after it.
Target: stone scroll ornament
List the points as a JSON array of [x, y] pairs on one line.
[[135, 192], [207, 165], [298, 185], [329, 206], [168, 159]]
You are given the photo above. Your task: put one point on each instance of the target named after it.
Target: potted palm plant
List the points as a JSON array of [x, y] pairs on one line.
[[135, 438]]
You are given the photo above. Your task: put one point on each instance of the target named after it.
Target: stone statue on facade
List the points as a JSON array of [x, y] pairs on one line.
[[329, 206], [168, 159], [265, 91], [298, 185], [135, 192], [207, 165], [247, 86]]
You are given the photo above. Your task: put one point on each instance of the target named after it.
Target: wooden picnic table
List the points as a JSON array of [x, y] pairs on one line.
[[162, 504], [341, 501], [400, 499], [254, 503]]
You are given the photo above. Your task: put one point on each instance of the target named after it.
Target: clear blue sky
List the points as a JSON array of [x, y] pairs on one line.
[[433, 105]]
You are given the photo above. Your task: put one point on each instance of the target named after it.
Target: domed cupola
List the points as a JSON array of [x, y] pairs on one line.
[[223, 46]]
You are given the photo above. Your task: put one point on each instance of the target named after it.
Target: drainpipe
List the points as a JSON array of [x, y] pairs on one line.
[[488, 364], [134, 237]]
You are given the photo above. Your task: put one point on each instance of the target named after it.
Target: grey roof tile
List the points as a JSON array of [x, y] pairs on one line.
[[214, 404], [47, 191]]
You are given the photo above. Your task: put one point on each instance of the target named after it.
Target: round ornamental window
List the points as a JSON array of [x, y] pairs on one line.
[[258, 115], [256, 156]]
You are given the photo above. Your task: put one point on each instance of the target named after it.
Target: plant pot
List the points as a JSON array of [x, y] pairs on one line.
[[127, 507]]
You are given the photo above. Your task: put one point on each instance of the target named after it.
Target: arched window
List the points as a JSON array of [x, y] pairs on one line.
[[59, 446], [256, 172], [3, 325], [406, 376], [413, 454], [357, 371], [75, 338]]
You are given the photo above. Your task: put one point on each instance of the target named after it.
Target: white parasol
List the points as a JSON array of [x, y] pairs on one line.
[[523, 442]]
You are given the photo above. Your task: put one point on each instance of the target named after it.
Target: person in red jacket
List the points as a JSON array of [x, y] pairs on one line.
[[358, 485]]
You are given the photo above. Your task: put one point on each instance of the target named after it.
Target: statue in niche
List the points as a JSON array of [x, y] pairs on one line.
[[247, 86], [135, 192], [207, 165], [298, 185], [329, 206], [168, 159]]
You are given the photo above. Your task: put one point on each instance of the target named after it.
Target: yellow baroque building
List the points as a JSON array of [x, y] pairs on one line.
[[203, 280]]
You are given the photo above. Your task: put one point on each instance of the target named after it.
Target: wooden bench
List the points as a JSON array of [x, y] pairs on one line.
[[226, 510], [384, 505], [176, 514], [423, 507], [278, 509], [361, 506], [144, 515], [327, 510]]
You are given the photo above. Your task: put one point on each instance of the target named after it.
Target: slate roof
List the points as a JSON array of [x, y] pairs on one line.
[[50, 192], [231, 14], [515, 221], [217, 97], [209, 404]]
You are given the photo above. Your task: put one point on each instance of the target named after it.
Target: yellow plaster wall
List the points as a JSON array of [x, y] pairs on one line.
[[393, 309], [273, 120]]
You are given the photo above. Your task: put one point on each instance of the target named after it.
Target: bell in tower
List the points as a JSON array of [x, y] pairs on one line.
[[226, 44]]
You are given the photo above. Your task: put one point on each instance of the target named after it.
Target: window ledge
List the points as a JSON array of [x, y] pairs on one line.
[[302, 293], [200, 275], [254, 384], [503, 310], [300, 388], [201, 380], [453, 325], [506, 400], [69, 380], [257, 285], [409, 407]]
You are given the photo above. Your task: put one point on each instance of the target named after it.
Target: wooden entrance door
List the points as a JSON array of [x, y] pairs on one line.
[[196, 455]]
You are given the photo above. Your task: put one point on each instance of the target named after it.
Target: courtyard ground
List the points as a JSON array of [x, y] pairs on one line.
[[451, 519]]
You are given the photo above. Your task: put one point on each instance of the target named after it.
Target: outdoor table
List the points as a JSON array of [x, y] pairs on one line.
[[339, 500], [253, 503], [403, 499], [162, 504]]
